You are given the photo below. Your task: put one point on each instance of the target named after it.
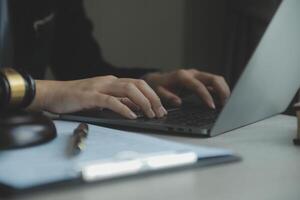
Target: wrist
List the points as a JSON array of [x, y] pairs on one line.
[[44, 94]]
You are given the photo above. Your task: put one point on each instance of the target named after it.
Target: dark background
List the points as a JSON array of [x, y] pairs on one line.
[[212, 35]]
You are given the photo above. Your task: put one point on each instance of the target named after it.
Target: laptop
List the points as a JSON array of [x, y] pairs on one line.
[[265, 88]]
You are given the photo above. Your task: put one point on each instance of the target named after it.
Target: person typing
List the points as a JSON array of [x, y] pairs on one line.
[[59, 34]]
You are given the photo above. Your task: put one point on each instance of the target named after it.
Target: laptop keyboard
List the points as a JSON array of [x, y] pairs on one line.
[[196, 117], [191, 116]]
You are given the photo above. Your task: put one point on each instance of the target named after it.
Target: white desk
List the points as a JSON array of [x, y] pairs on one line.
[[270, 170]]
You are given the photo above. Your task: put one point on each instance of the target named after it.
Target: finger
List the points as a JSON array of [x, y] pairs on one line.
[[130, 104], [218, 84], [114, 104], [169, 96], [198, 87], [155, 101], [130, 91], [210, 89]]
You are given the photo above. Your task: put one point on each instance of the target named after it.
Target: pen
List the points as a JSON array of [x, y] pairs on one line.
[[77, 142]]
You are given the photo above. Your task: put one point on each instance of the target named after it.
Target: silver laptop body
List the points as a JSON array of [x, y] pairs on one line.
[[272, 76]]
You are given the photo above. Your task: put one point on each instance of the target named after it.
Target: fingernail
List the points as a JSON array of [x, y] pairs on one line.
[[176, 102], [151, 114], [212, 105], [132, 115], [161, 112], [165, 111]]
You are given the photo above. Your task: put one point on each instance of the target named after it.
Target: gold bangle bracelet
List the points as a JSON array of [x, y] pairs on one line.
[[17, 86]]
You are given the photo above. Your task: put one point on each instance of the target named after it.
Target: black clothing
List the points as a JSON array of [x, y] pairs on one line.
[[5, 35], [57, 33]]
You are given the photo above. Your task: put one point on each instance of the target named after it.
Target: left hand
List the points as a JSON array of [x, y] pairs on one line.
[[201, 83]]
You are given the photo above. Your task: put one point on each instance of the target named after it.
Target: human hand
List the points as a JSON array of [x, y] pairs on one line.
[[203, 84], [117, 94]]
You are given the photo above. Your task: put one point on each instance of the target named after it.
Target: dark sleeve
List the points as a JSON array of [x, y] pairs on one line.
[[76, 53]]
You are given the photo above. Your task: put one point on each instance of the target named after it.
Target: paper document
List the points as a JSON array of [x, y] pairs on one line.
[[107, 154]]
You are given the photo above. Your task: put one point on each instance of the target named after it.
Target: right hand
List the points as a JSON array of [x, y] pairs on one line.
[[120, 95]]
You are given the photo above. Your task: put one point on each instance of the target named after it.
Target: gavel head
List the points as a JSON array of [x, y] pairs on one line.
[[17, 89]]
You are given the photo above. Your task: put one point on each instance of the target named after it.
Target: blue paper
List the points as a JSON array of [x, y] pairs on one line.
[[50, 162]]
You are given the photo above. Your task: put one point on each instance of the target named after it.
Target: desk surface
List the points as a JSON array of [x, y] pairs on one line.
[[270, 170]]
